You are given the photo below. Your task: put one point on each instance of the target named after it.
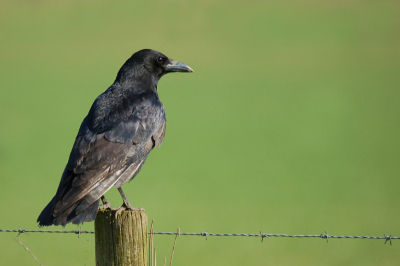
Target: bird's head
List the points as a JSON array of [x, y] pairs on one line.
[[150, 63]]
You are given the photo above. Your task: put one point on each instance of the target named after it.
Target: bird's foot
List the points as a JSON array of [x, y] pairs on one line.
[[119, 211], [127, 205], [124, 207], [106, 205]]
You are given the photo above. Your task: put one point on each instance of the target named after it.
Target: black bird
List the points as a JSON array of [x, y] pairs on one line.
[[123, 125]]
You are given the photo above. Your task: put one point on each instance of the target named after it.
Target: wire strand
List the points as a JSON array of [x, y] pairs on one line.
[[206, 234]]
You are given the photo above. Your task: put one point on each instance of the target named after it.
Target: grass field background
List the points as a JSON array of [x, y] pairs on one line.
[[289, 124]]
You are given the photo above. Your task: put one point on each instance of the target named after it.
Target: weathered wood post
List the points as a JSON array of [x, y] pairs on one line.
[[121, 239]]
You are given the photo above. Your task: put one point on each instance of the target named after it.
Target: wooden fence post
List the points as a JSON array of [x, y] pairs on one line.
[[121, 239]]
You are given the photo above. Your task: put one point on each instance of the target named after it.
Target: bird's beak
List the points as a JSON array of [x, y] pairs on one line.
[[176, 66]]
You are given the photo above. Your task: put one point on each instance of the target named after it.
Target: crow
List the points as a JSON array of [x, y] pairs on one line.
[[123, 125]]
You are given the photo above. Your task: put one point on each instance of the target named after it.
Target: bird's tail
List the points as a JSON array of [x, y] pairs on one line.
[[46, 217]]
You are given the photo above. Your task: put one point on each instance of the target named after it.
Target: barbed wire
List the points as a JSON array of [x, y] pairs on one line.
[[207, 234]]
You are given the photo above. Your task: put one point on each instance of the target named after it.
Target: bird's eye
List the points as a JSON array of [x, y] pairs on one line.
[[160, 60]]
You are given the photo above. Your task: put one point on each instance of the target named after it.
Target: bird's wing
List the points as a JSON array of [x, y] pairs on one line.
[[97, 160], [136, 164]]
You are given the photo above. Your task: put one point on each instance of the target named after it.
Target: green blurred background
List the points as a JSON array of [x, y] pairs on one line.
[[289, 124]]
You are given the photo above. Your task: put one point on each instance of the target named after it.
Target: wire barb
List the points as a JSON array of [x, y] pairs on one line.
[[79, 232], [20, 230], [388, 238], [262, 236], [325, 236], [205, 234]]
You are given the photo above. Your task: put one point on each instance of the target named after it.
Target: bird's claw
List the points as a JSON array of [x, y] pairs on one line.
[[127, 206], [107, 206], [119, 211]]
